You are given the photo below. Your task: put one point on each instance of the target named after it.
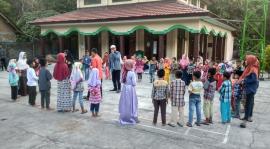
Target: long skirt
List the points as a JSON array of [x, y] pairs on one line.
[[225, 112], [22, 84], [64, 100], [128, 105]]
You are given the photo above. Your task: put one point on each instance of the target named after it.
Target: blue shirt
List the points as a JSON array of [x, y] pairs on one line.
[[13, 79], [86, 60], [251, 83], [115, 61], [237, 91]]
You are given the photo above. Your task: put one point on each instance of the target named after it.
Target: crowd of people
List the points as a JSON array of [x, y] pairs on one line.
[[171, 78]]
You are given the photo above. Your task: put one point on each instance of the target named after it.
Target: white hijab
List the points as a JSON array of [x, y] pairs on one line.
[[21, 64], [76, 74], [94, 78]]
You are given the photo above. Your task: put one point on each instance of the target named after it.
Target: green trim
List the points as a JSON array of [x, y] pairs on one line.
[[213, 32], [140, 27]]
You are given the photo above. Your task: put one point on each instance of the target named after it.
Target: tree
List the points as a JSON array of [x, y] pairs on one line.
[[267, 59], [32, 32], [5, 7]]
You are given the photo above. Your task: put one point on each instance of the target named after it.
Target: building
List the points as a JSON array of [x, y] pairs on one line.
[[8, 30], [161, 28]]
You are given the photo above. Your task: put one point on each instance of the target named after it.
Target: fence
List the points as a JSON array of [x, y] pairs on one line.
[[12, 49]]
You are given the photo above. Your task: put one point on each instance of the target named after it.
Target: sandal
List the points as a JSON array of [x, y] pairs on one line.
[[83, 112]]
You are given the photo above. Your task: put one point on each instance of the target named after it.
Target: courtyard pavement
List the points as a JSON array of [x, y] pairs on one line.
[[23, 126]]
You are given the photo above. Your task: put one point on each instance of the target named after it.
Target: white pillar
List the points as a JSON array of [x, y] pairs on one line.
[[228, 47], [171, 47], [140, 40], [186, 42], [81, 45], [104, 42]]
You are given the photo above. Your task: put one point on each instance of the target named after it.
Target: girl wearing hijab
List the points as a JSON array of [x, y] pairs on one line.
[[128, 104], [205, 70], [61, 74], [22, 68], [250, 80], [94, 84], [167, 69], [219, 75], [184, 63], [13, 79], [76, 79], [105, 63]]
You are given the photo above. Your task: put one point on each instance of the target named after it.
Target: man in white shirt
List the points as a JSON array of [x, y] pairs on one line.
[[32, 82]]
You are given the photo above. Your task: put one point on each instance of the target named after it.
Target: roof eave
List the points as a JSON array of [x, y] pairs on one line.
[[124, 18]]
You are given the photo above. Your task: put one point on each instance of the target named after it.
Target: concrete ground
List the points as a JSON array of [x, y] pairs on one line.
[[23, 126]]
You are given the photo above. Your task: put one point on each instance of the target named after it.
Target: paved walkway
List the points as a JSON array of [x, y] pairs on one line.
[[23, 126]]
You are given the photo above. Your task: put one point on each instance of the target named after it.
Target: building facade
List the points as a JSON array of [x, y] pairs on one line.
[[8, 30], [161, 28]]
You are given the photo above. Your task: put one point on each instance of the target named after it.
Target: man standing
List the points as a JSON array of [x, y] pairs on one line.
[[3, 58], [115, 68]]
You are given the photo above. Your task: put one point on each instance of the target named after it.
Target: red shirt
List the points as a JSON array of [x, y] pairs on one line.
[[97, 63]]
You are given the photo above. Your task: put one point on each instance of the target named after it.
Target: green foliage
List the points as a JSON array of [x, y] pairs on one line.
[[267, 58], [31, 31], [5, 7]]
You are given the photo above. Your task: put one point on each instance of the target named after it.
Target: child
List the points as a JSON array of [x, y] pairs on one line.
[[13, 79], [195, 88], [152, 69], [190, 69], [139, 68], [237, 93], [167, 69], [177, 93], [128, 104], [219, 75], [209, 94], [44, 84], [225, 97], [174, 68], [105, 63], [161, 64], [76, 79], [32, 82], [94, 84], [160, 95]]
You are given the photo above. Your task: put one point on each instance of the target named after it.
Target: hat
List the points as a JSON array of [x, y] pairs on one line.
[[113, 46]]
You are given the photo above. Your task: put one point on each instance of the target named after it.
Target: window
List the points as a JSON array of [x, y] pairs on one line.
[[92, 2], [115, 1]]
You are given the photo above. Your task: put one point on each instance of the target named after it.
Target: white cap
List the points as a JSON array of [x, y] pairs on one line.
[[113, 47]]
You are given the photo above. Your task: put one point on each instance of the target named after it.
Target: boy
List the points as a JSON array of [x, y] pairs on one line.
[[160, 95], [209, 94], [177, 93], [225, 97], [152, 69], [195, 89], [237, 93], [32, 83], [174, 68], [44, 84]]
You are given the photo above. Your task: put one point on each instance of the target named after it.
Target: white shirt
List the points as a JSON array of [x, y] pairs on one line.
[[31, 77]]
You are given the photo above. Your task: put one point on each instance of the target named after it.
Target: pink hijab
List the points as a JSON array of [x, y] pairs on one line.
[[128, 66], [184, 62]]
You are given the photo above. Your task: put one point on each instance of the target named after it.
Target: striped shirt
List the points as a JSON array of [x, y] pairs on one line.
[[177, 92], [226, 91]]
